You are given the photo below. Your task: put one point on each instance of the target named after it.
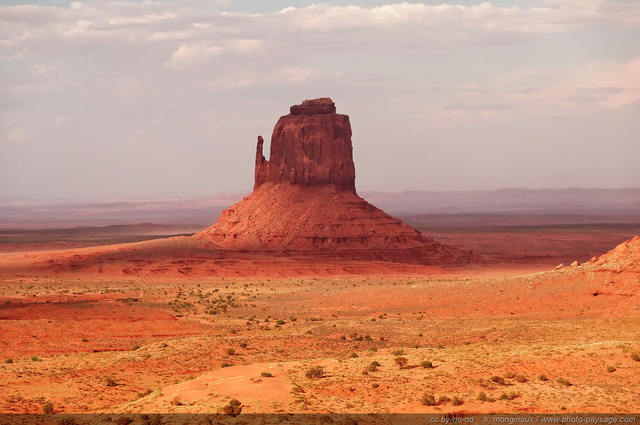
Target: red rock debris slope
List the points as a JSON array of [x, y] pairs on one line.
[[623, 258], [305, 203]]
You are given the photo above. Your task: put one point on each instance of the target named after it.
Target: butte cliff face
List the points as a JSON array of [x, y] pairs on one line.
[[310, 147], [304, 200]]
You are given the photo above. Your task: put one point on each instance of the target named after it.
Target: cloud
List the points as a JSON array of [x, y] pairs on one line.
[[140, 86], [188, 56], [478, 107]]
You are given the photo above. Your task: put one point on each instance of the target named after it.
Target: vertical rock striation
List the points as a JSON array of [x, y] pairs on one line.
[[311, 146]]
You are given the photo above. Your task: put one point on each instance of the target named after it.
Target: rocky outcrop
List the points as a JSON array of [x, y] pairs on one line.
[[624, 257], [304, 200], [311, 146], [324, 105]]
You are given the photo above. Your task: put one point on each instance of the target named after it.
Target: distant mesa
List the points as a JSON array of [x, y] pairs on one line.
[[304, 200]]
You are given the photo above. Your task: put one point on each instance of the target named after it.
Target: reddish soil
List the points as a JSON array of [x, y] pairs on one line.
[[130, 340]]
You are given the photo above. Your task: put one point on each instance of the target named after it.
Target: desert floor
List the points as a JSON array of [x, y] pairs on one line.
[[507, 333]]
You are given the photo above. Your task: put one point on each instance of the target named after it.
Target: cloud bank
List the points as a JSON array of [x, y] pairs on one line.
[[116, 98]]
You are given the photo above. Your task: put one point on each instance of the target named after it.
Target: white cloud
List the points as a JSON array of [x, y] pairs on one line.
[[188, 56]]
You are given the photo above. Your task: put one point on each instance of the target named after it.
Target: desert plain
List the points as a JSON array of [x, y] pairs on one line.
[[509, 331]]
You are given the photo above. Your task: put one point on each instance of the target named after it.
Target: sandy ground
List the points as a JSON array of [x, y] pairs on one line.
[[530, 338]]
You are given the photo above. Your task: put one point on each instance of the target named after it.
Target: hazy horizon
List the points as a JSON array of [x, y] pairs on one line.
[[143, 100]]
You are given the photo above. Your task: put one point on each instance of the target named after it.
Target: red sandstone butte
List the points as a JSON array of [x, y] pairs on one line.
[[304, 200]]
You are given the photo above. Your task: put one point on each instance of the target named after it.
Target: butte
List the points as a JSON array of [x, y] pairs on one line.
[[304, 200], [303, 217]]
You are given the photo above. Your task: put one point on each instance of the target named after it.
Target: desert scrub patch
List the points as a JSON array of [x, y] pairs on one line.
[[266, 374], [314, 372], [47, 408], [443, 399], [509, 375], [297, 389], [230, 351], [456, 401], [497, 380], [110, 382], [563, 381], [428, 400], [635, 356], [543, 378], [426, 364], [234, 408], [373, 366], [521, 378], [482, 396], [402, 362], [509, 396], [611, 369]]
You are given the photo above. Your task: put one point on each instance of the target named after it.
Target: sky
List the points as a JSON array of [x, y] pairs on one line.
[[163, 99]]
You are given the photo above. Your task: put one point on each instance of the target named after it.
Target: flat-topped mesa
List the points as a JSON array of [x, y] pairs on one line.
[[311, 146]]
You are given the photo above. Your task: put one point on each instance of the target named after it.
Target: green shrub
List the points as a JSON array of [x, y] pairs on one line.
[[543, 377], [110, 382], [230, 351], [225, 364], [611, 369], [266, 375], [9, 361], [426, 364], [456, 401], [482, 396], [635, 356]]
